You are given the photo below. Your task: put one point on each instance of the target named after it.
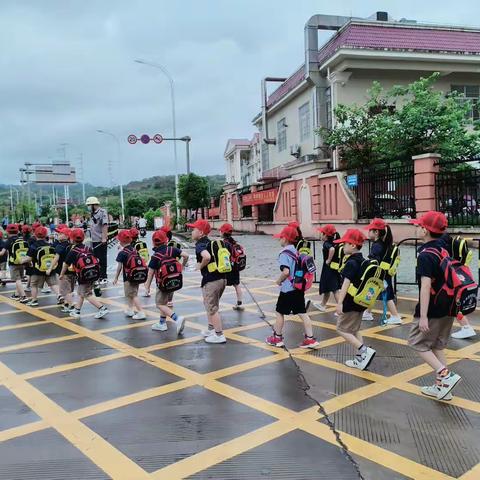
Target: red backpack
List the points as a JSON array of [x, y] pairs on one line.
[[135, 268], [87, 266], [459, 291], [304, 273], [169, 275], [238, 256]]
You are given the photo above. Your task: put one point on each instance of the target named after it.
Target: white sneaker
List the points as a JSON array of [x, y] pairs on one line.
[[464, 332], [239, 308], [160, 326], [448, 384], [362, 362], [46, 290], [74, 313], [320, 307], [214, 338], [207, 333], [393, 321], [367, 316], [104, 281], [433, 391], [139, 316], [129, 313], [102, 312], [28, 289], [180, 322]]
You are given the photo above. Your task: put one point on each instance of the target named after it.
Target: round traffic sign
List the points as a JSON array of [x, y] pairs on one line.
[[157, 138], [145, 139], [132, 139]]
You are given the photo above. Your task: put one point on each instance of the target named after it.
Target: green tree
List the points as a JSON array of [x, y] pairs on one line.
[[114, 208], [134, 206], [150, 216], [404, 121], [193, 191]]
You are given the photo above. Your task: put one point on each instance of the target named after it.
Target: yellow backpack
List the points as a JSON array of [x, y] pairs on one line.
[[370, 284], [142, 249], [19, 251], [221, 258], [45, 256]]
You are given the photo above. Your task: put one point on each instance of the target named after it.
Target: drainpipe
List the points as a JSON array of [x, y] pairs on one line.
[[266, 139]]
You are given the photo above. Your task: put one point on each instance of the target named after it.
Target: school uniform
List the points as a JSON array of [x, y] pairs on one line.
[[233, 277], [66, 285], [330, 280], [350, 320], [130, 289], [38, 277], [84, 290], [377, 252], [290, 299], [162, 298], [213, 283], [439, 322], [16, 271]]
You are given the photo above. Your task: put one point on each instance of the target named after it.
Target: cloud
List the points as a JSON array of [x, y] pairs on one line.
[[67, 70]]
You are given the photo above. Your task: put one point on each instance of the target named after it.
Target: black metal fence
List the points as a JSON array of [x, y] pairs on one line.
[[458, 193], [384, 191]]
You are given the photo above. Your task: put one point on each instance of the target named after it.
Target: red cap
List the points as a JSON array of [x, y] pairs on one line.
[[353, 236], [41, 232], [226, 228], [65, 231], [288, 233], [165, 228], [12, 228], [377, 224], [133, 233], [35, 225], [26, 228], [77, 234], [329, 230], [125, 236], [202, 225], [435, 222], [294, 224], [60, 227], [159, 237]]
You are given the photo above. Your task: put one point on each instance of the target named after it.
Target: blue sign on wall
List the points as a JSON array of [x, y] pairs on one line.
[[352, 180]]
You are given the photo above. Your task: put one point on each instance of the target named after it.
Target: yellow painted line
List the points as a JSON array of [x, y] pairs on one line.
[[22, 430], [92, 445], [473, 474], [173, 343], [72, 366], [126, 400], [207, 458], [379, 455], [39, 343], [22, 325]]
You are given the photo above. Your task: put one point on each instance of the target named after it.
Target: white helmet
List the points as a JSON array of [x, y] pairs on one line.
[[92, 201]]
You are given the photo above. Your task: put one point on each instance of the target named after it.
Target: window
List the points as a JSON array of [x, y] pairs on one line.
[[304, 121], [471, 94], [328, 107], [282, 135]]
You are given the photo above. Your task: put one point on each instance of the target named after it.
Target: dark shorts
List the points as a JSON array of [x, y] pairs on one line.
[[291, 303], [233, 278]]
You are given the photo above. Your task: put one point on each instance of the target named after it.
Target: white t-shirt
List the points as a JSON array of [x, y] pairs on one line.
[[142, 223]]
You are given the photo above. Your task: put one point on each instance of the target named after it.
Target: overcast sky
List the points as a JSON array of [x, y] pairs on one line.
[[66, 69]]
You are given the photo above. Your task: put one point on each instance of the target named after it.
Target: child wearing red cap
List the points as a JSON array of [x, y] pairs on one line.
[[163, 299], [16, 248], [3, 260], [66, 285], [213, 282], [233, 278], [134, 310], [40, 276], [290, 300], [349, 313], [84, 290], [380, 234], [330, 280], [432, 324]]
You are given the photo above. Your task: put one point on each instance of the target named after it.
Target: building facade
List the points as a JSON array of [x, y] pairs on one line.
[[296, 176]]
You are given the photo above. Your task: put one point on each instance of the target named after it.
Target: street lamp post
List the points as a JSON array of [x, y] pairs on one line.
[[121, 169], [174, 123]]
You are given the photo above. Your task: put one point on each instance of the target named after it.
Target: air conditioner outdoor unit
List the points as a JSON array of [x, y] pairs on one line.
[[309, 158], [295, 150]]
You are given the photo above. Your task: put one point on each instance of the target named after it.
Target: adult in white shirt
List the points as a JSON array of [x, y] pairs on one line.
[[142, 222]]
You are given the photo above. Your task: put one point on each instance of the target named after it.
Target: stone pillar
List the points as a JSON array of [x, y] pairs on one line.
[[253, 189], [425, 170]]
